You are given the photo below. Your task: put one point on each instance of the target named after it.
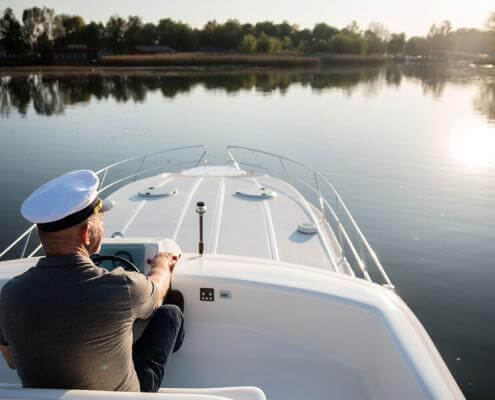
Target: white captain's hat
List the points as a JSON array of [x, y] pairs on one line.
[[65, 201]]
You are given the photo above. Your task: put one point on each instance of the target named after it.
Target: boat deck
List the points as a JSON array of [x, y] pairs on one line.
[[270, 223]]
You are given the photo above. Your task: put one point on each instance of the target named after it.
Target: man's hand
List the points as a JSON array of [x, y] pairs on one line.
[[162, 266], [164, 259]]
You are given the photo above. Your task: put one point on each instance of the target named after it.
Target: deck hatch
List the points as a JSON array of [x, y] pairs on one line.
[[257, 193]]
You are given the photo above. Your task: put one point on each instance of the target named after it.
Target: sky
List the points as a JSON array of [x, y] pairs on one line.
[[412, 17]]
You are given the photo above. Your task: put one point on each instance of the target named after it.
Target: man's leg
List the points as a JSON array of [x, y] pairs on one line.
[[162, 336]]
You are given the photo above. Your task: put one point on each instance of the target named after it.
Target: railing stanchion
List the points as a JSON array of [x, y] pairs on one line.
[[339, 232], [285, 170], [103, 179], [26, 244], [363, 256], [320, 200], [140, 166]]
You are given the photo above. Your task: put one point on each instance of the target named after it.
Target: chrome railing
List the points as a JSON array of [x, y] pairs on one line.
[[355, 253], [26, 236]]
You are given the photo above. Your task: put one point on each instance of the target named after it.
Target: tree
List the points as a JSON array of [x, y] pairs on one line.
[[324, 32], [490, 22], [115, 30], [229, 35], [301, 36], [346, 42], [248, 44], [149, 34], [177, 35], [266, 27], [11, 35], [93, 35], [285, 30], [67, 28], [353, 27], [415, 46], [38, 26], [268, 44], [379, 30], [374, 44], [439, 37], [133, 33], [397, 43], [376, 37]]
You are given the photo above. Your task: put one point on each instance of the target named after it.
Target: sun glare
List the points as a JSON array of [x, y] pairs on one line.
[[473, 143]]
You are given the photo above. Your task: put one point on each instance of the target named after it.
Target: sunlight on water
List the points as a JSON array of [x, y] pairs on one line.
[[474, 143]]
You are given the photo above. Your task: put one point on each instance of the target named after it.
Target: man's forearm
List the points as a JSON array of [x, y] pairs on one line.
[[160, 274]]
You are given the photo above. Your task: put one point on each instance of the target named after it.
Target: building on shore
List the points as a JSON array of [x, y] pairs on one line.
[[72, 54], [154, 49]]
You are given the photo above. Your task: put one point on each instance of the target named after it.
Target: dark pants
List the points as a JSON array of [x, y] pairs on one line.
[[162, 337]]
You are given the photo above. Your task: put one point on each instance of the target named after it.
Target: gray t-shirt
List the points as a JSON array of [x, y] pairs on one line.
[[68, 324]]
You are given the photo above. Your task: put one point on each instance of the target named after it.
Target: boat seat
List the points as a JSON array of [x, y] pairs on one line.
[[15, 391], [233, 392]]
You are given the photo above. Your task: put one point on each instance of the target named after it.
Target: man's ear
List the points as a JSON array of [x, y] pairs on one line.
[[85, 234]]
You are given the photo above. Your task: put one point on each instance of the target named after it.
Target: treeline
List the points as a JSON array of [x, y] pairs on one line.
[[41, 29]]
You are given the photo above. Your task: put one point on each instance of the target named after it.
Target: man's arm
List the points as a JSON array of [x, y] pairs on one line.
[[6, 354], [161, 272]]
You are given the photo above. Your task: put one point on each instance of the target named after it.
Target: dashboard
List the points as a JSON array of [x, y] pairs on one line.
[[139, 251]]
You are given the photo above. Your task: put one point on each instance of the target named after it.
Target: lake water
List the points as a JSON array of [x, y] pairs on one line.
[[411, 149]]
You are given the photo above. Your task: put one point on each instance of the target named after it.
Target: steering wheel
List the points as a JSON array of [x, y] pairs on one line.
[[126, 264]]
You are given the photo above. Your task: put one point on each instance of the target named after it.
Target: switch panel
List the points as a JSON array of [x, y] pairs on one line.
[[207, 294]]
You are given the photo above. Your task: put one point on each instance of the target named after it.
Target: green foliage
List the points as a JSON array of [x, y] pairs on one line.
[[248, 44], [323, 32], [346, 42], [38, 24], [266, 27], [226, 36], [11, 33], [373, 43], [268, 45], [301, 39], [415, 46], [397, 43], [41, 29], [133, 32], [115, 33], [178, 35]]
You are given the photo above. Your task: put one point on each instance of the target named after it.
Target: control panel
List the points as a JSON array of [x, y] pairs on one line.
[[139, 251], [207, 294]]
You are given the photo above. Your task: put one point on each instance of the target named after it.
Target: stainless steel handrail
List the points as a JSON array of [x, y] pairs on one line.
[[342, 233], [28, 233]]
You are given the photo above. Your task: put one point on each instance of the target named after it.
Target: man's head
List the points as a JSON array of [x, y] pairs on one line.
[[68, 213], [85, 236]]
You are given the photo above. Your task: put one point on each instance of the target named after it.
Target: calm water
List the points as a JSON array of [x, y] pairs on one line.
[[411, 150]]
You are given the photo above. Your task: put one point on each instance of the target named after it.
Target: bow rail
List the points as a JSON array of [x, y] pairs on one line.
[[26, 238], [355, 249]]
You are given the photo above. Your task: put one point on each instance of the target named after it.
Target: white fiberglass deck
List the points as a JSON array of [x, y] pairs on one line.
[[233, 224], [287, 323]]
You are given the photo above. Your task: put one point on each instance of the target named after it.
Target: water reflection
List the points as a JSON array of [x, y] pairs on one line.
[[50, 94], [473, 143]]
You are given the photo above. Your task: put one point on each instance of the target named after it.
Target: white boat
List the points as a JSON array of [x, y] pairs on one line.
[[288, 300]]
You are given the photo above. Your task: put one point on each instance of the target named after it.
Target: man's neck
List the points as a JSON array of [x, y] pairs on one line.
[[69, 250]]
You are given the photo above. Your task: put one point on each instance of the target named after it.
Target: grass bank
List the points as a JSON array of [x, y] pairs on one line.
[[352, 59], [207, 59]]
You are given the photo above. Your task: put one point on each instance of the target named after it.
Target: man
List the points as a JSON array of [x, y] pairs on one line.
[[66, 323]]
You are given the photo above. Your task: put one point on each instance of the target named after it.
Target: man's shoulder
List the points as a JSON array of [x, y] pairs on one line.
[[16, 281]]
